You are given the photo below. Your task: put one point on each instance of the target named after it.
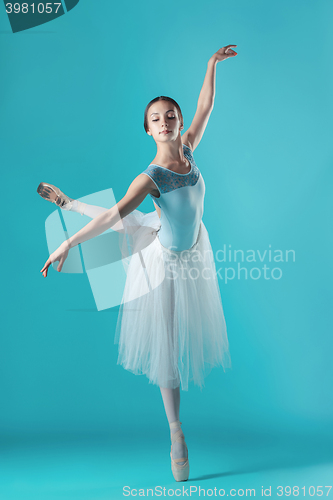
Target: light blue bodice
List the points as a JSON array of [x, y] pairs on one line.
[[181, 202]]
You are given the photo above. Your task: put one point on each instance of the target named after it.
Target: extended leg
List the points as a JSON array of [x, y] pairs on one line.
[[171, 400], [91, 211], [56, 196], [53, 194]]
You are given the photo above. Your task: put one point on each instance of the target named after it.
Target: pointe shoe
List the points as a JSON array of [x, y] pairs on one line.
[[180, 472], [53, 194]]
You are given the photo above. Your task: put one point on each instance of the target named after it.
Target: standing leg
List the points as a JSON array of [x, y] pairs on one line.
[[171, 400]]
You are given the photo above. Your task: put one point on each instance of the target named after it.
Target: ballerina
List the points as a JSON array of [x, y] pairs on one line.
[[175, 331]]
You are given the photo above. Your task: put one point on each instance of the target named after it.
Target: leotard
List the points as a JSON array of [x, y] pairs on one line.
[[181, 202]]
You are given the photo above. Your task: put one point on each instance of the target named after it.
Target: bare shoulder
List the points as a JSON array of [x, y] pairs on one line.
[[145, 180], [150, 185], [137, 191], [141, 183]]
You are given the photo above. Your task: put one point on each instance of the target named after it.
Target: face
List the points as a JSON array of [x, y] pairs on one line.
[[163, 116]]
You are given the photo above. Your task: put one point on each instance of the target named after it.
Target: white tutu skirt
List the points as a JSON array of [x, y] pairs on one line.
[[171, 325]]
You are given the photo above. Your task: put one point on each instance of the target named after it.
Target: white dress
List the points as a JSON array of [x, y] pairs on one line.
[[171, 325]]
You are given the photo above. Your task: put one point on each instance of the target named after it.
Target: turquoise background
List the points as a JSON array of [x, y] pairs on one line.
[[73, 93]]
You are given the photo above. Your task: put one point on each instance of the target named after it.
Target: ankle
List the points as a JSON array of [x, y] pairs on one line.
[[175, 425], [76, 206]]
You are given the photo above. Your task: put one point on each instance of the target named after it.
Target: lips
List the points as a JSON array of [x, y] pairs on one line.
[[166, 132]]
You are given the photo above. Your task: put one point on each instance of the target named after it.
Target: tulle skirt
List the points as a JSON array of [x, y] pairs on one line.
[[171, 325]]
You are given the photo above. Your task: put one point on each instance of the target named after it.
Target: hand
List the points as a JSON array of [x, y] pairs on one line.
[[225, 53], [60, 254]]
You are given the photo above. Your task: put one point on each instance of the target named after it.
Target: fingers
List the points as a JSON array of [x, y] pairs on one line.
[[228, 50], [61, 263], [44, 271], [230, 53], [46, 267]]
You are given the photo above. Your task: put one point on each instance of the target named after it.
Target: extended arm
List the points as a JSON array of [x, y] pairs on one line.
[[136, 193], [206, 98]]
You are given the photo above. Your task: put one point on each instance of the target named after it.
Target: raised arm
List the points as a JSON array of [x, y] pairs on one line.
[[205, 104], [141, 186]]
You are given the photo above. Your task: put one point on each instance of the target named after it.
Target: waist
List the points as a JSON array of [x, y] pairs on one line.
[[179, 242]]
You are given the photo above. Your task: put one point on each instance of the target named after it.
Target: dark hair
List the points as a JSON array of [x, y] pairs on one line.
[[162, 98]]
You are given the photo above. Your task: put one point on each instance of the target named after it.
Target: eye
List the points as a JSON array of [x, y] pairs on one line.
[[170, 118]]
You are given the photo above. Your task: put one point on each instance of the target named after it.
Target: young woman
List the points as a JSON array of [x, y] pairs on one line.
[[174, 330]]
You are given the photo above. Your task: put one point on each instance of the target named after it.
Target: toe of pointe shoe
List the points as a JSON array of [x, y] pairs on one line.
[[180, 472], [53, 194]]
